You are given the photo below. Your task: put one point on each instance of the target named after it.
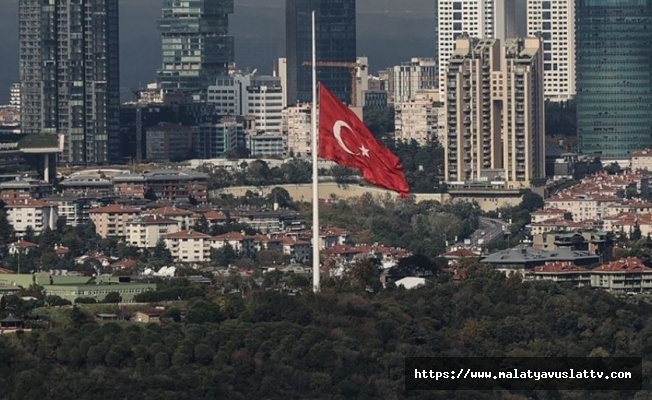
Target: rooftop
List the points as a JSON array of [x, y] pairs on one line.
[[525, 254]]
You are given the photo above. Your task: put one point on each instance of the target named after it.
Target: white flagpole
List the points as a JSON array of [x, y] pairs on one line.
[[315, 171]]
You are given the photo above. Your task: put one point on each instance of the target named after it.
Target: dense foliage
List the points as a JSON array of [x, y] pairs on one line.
[[342, 344], [423, 227]]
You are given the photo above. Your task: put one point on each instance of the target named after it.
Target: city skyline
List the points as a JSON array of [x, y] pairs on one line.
[[383, 32]]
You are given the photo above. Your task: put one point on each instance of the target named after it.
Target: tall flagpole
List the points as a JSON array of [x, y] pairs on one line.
[[315, 170]]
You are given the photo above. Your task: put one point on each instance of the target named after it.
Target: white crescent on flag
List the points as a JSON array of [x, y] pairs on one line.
[[337, 132]]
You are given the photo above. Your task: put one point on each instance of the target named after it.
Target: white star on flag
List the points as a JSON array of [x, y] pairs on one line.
[[364, 150]]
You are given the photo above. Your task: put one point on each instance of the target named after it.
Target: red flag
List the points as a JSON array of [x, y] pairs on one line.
[[343, 138]]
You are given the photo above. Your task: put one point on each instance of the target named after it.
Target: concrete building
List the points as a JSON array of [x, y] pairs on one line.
[[411, 77], [189, 246], [336, 47], [283, 75], [641, 160], [499, 19], [297, 128], [169, 142], [219, 138], [267, 145], [494, 124], [623, 276], [69, 74], [554, 20], [145, 232], [249, 95], [614, 72], [36, 214], [111, 221], [417, 119], [196, 45]]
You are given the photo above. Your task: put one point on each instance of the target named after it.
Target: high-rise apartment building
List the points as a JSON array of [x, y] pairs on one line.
[[417, 119], [499, 19], [195, 43], [69, 73], [494, 120], [297, 128], [555, 21], [335, 42], [614, 76], [411, 77]]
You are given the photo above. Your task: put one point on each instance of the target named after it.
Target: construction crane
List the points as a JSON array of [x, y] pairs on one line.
[[354, 67]]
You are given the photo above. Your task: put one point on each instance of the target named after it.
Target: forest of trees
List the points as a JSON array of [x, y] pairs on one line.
[[342, 344]]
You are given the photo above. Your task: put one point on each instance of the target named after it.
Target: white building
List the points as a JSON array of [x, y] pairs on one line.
[[266, 145], [249, 95], [37, 214], [145, 232], [416, 119], [296, 128], [555, 20], [283, 75], [189, 246], [411, 77], [14, 95]]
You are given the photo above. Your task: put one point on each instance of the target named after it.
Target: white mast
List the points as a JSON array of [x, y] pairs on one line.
[[315, 171]]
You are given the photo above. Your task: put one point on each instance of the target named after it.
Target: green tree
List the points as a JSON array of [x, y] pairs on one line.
[[112, 297], [223, 256], [531, 202], [7, 234], [161, 255], [202, 225]]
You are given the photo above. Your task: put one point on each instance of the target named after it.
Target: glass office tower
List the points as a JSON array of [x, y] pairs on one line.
[[614, 76], [336, 44], [195, 43]]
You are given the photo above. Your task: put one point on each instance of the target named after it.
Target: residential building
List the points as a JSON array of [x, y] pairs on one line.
[[189, 246], [85, 184], [336, 47], [623, 276], [131, 186], [411, 77], [416, 119], [238, 241], [641, 160], [176, 185], [111, 220], [35, 214], [613, 77], [22, 188], [74, 209], [375, 100], [523, 258], [499, 19], [69, 73], [218, 139], [169, 142], [494, 124], [267, 145], [185, 219], [145, 231], [554, 20], [561, 272], [297, 128], [196, 45]]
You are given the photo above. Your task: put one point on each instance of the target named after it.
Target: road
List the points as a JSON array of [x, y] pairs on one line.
[[488, 230]]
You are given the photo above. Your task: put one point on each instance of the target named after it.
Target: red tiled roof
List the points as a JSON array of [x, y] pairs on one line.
[[114, 209], [212, 215], [62, 250], [128, 263], [559, 267], [20, 203], [190, 234], [23, 244], [625, 265], [6, 271]]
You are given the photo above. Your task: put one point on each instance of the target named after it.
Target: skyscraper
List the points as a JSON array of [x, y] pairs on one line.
[[195, 43], [69, 73], [500, 19], [555, 20], [336, 46], [614, 76]]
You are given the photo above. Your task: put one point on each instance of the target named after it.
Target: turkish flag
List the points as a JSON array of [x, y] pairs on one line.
[[343, 138]]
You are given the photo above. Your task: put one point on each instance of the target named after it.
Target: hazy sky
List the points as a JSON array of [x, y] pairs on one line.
[[389, 31]]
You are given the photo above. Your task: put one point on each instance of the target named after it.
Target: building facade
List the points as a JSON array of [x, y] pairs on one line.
[[217, 139], [417, 120], [614, 71], [554, 20], [169, 142], [411, 77], [494, 117], [195, 43], [14, 95], [336, 47], [69, 73], [296, 128]]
